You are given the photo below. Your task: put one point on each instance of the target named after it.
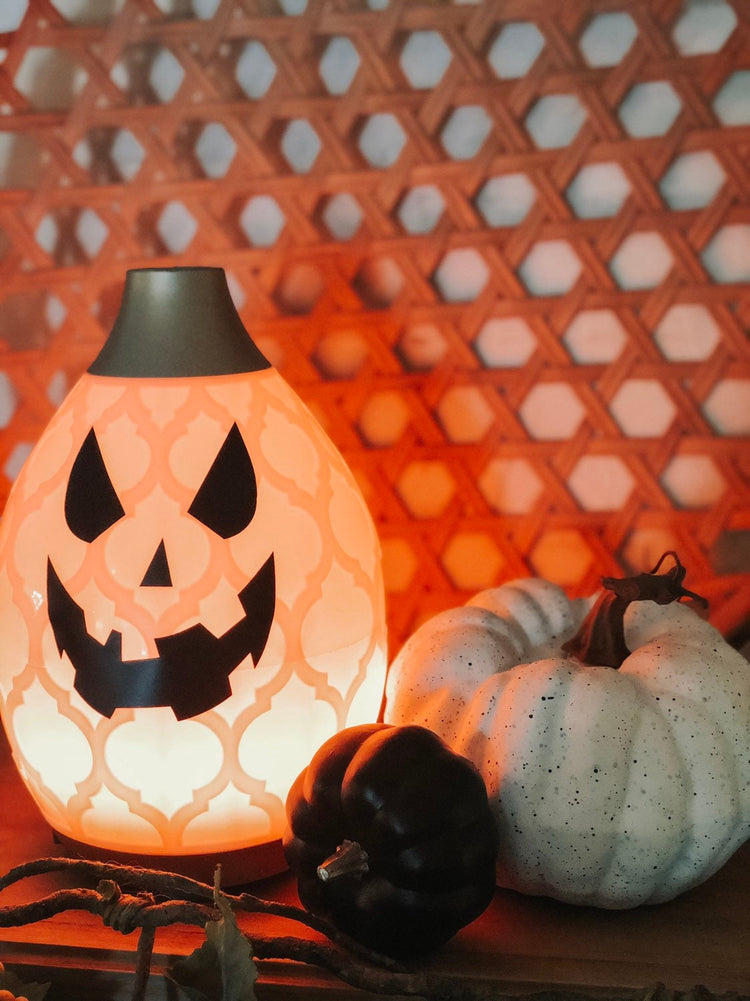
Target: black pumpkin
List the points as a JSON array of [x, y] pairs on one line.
[[391, 837]]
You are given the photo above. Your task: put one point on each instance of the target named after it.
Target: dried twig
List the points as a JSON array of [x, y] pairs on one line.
[[174, 887], [126, 912]]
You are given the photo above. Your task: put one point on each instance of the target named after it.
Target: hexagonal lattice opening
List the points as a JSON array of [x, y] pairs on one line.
[[255, 70], [54, 312], [262, 221], [727, 256], [551, 267], [687, 332], [650, 109], [510, 486], [400, 565], [424, 59], [47, 233], [57, 388], [704, 27], [505, 342], [643, 408], [551, 411], [12, 13], [176, 227], [601, 482], [384, 419], [515, 50], [165, 75], [339, 64], [472, 560], [608, 38], [21, 160], [342, 215], [426, 488], [732, 103], [340, 354], [379, 282], [643, 260], [299, 289], [561, 556], [381, 140], [214, 149], [595, 337], [461, 275], [127, 154], [727, 407], [49, 78], [506, 200], [421, 208], [598, 190], [421, 346], [555, 120], [91, 232], [693, 481], [692, 181], [300, 145], [464, 414], [465, 131]]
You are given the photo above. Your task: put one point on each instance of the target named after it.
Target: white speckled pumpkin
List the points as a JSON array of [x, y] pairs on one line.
[[611, 787]]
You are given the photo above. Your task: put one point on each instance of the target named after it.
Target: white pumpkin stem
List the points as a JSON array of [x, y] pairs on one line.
[[601, 638], [349, 859]]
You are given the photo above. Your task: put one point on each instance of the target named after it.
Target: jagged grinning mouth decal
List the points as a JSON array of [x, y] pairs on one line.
[[191, 673]]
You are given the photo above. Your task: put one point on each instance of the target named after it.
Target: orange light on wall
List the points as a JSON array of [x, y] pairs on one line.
[[191, 598]]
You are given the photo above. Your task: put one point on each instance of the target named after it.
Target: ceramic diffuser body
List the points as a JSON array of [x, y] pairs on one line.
[[190, 588]]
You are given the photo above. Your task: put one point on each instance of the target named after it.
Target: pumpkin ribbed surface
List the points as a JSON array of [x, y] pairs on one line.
[[610, 787], [424, 835]]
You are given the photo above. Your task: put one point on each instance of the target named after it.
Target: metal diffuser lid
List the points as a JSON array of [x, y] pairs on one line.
[[177, 323]]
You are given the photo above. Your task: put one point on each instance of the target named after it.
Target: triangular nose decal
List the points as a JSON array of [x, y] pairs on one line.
[[158, 574]]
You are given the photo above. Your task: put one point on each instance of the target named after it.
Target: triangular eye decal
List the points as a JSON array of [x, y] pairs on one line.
[[227, 498], [91, 502]]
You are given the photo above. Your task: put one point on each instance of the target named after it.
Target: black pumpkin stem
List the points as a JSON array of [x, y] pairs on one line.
[[601, 638], [349, 859]]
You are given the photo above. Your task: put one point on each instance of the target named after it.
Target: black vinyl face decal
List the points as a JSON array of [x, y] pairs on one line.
[[191, 672], [91, 502], [228, 496]]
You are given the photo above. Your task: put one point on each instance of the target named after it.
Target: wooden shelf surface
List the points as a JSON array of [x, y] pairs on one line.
[[520, 945]]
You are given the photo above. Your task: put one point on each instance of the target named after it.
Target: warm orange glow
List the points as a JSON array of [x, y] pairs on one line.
[[144, 780]]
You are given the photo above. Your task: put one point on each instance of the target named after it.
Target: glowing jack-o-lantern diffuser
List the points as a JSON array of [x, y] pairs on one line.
[[191, 598]]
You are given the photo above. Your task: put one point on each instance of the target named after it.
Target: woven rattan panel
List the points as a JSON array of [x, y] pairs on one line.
[[502, 249]]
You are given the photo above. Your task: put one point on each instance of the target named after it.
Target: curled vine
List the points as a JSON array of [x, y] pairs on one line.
[[131, 899]]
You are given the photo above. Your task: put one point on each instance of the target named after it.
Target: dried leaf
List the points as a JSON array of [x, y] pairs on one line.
[[223, 968]]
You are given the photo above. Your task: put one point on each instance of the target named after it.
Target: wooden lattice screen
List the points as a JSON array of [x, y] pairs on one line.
[[501, 248]]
